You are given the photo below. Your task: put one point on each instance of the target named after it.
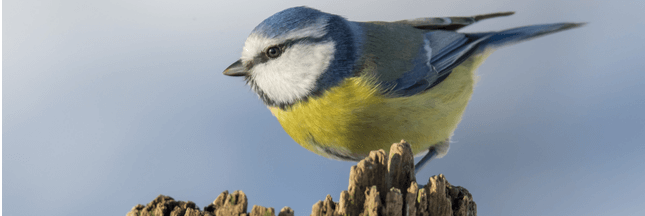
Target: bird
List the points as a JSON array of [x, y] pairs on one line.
[[342, 88]]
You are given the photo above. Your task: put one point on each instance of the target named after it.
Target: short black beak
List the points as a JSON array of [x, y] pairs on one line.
[[236, 69]]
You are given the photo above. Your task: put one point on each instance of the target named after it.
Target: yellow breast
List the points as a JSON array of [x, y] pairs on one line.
[[353, 118]]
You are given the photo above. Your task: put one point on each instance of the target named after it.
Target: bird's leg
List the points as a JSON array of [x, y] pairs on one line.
[[432, 153]]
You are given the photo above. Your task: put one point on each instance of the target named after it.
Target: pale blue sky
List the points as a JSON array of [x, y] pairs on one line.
[[107, 104]]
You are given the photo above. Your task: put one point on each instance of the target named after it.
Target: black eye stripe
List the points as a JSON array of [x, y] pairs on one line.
[[262, 57]]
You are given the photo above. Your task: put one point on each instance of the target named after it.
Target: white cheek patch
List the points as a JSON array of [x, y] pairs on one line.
[[293, 75]]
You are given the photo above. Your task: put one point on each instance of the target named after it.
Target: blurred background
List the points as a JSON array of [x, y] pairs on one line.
[[108, 104]]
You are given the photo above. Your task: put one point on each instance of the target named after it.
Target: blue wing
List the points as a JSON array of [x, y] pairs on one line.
[[446, 50]]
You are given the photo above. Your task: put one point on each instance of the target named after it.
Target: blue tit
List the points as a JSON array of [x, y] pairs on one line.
[[342, 89]]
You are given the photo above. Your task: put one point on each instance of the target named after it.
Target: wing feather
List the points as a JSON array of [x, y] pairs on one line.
[[450, 23], [450, 49], [445, 49]]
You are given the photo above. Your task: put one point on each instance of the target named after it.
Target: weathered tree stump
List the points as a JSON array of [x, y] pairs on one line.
[[380, 184]]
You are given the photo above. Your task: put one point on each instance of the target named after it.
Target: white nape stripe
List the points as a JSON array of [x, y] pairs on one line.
[[316, 31]]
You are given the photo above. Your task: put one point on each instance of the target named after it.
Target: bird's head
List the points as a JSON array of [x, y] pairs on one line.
[[296, 54]]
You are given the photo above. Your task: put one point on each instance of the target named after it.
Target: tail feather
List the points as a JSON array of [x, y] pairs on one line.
[[450, 23], [512, 36], [492, 15]]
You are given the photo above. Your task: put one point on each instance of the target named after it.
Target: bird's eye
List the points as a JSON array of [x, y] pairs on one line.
[[273, 52]]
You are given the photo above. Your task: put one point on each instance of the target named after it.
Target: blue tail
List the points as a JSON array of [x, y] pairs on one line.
[[512, 36]]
